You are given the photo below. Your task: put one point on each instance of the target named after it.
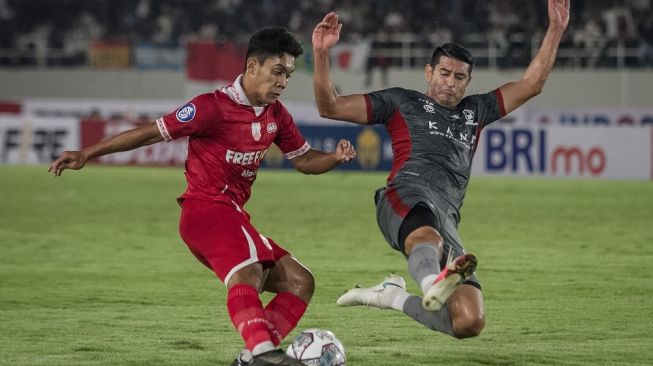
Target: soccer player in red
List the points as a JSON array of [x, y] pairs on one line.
[[229, 132], [434, 135]]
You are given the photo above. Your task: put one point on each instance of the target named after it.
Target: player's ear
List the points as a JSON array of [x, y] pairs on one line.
[[428, 71], [252, 62]]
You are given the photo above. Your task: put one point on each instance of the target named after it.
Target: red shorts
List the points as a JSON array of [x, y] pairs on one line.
[[220, 235]]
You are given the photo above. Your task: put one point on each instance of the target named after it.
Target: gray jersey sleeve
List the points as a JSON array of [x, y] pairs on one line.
[[382, 105], [490, 107]]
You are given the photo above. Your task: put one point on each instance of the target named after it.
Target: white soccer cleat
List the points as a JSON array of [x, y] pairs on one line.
[[379, 296], [453, 275]]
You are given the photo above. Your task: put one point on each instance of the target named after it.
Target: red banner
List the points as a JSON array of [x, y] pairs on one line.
[[10, 107], [208, 61], [111, 55], [162, 153]]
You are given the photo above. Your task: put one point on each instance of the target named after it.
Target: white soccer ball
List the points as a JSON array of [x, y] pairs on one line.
[[317, 347]]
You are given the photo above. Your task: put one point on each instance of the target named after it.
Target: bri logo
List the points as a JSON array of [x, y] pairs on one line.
[[527, 151], [186, 113]]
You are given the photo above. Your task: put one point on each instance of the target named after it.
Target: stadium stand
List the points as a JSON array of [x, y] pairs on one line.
[[502, 33]]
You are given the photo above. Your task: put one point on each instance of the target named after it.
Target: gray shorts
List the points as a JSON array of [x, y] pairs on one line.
[[395, 202]]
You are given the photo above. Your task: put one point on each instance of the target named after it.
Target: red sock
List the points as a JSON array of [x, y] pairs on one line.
[[284, 312], [247, 315]]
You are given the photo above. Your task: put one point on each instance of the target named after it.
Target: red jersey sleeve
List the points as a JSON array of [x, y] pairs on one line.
[[195, 118], [290, 140]]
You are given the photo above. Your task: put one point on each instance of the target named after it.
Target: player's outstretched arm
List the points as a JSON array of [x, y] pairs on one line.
[[517, 93], [318, 162], [127, 140], [350, 108]]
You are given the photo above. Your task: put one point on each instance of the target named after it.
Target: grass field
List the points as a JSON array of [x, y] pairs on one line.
[[93, 272]]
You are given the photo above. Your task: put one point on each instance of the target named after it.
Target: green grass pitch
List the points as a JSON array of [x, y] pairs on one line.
[[93, 272]]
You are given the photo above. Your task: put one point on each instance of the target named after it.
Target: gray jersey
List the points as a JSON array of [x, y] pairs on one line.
[[433, 145]]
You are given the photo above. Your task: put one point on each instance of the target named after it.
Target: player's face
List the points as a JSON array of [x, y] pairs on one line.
[[268, 80], [447, 81]]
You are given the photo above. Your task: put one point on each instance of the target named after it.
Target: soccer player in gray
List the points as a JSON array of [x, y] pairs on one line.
[[434, 136]]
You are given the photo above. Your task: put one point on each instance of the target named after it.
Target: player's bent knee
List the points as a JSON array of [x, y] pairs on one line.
[[300, 284], [468, 327], [305, 287], [424, 234]]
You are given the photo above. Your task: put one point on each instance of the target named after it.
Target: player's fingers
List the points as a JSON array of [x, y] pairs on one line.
[[333, 21], [351, 154], [347, 150], [54, 167], [326, 18]]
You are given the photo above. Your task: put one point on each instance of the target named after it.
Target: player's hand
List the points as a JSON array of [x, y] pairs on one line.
[[345, 151], [559, 13], [68, 160], [326, 33]]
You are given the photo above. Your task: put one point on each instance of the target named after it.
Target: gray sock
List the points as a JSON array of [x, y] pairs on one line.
[[424, 264], [435, 320]]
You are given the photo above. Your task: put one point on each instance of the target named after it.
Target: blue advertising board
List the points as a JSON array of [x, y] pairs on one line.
[[372, 143]]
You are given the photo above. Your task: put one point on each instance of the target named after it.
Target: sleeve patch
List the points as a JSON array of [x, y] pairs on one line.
[[186, 113]]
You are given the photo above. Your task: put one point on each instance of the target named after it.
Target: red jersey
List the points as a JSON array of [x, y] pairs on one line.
[[227, 139]]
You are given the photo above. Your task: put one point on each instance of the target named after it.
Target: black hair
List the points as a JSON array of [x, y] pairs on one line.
[[272, 41], [455, 51]]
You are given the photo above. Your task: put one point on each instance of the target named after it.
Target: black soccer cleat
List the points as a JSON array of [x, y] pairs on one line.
[[243, 359], [239, 362], [275, 357]]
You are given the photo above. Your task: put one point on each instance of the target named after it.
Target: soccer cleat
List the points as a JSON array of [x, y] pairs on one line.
[[273, 358], [379, 296], [244, 359], [454, 274]]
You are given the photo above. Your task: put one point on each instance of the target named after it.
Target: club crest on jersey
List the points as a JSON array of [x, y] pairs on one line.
[[469, 117], [186, 113], [271, 127], [256, 130]]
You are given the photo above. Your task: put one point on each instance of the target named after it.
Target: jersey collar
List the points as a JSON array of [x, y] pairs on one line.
[[237, 94]]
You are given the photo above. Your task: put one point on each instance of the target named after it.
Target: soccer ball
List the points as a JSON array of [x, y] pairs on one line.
[[317, 347]]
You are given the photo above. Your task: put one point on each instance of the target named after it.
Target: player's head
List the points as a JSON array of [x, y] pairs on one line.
[[269, 62], [449, 73]]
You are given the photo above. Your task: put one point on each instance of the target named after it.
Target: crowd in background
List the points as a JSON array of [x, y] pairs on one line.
[[64, 28]]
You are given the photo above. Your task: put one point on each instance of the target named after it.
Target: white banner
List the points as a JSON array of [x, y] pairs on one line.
[[590, 117], [351, 56], [106, 108], [573, 152], [30, 140]]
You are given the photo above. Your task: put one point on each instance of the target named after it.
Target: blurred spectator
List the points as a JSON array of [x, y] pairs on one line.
[[62, 29], [646, 46], [377, 60], [590, 41]]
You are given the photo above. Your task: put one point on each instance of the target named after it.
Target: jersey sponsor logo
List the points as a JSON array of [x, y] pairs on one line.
[[461, 137], [186, 113], [256, 130], [271, 127], [469, 117], [245, 158]]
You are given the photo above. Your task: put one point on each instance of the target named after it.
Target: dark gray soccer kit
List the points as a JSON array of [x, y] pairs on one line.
[[433, 148]]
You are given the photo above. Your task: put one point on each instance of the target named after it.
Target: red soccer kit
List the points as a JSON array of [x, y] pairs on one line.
[[227, 139]]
